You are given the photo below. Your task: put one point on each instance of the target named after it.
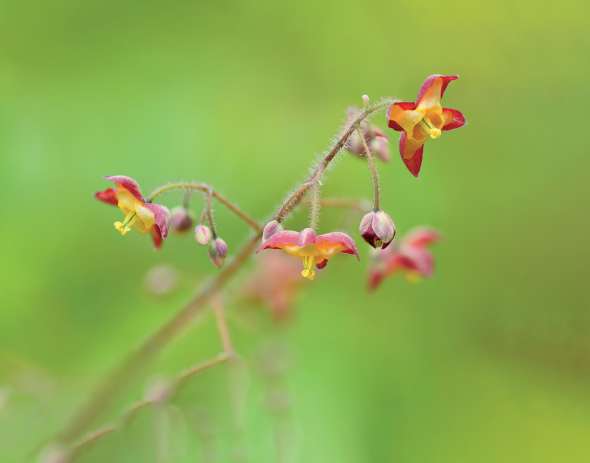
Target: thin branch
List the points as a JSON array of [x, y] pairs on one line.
[[134, 362], [194, 186], [373, 171], [222, 328]]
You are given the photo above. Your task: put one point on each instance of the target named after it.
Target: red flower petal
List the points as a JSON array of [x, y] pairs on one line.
[[402, 105], [321, 264], [453, 119], [421, 237], [433, 80], [419, 259], [128, 183], [157, 237], [338, 239], [411, 151], [108, 196], [280, 240]]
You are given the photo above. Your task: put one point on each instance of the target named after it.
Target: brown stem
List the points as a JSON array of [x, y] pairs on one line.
[[194, 186], [222, 328], [106, 392]]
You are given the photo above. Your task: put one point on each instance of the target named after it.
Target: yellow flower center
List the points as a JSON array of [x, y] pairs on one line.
[[125, 226], [308, 267], [430, 129]]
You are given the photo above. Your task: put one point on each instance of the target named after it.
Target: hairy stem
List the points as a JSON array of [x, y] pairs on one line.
[[137, 359], [296, 196], [315, 206], [194, 186], [373, 171]]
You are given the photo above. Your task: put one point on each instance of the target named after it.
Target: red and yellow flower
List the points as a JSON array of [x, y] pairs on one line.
[[410, 256], [139, 214], [314, 250], [423, 119]]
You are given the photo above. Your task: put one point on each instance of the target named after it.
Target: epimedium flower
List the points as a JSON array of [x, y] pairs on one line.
[[274, 284], [377, 228], [425, 118], [139, 214], [410, 255], [315, 250]]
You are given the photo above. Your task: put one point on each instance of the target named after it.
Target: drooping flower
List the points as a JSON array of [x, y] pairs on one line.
[[139, 215], [377, 229], [423, 119], [410, 255], [314, 250], [376, 140], [274, 284]]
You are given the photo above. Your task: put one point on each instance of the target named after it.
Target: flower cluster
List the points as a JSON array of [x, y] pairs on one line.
[[418, 121]]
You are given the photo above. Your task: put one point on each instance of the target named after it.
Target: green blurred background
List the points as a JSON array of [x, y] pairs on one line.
[[488, 361]]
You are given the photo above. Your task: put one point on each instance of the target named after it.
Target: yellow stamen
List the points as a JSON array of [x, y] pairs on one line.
[[125, 226], [308, 267], [430, 129], [413, 276]]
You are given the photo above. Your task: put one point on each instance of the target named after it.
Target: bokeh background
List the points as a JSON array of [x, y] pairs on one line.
[[488, 361]]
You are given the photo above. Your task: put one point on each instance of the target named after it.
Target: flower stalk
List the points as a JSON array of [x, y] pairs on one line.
[[137, 359], [373, 170]]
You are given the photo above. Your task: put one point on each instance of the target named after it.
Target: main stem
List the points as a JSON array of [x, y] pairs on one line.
[[106, 392]]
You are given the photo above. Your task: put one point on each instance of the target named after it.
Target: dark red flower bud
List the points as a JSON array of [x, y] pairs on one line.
[[181, 220], [377, 229]]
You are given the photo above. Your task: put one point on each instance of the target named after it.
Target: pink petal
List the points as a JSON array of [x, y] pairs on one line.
[[280, 240], [307, 237], [421, 237], [419, 259], [128, 183], [338, 239], [161, 215]]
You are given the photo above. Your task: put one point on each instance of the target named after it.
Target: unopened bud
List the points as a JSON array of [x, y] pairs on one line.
[[270, 229], [365, 100], [202, 234], [181, 220], [217, 252], [379, 145], [377, 229]]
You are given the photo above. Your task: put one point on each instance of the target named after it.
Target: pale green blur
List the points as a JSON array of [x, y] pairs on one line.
[[487, 362]]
